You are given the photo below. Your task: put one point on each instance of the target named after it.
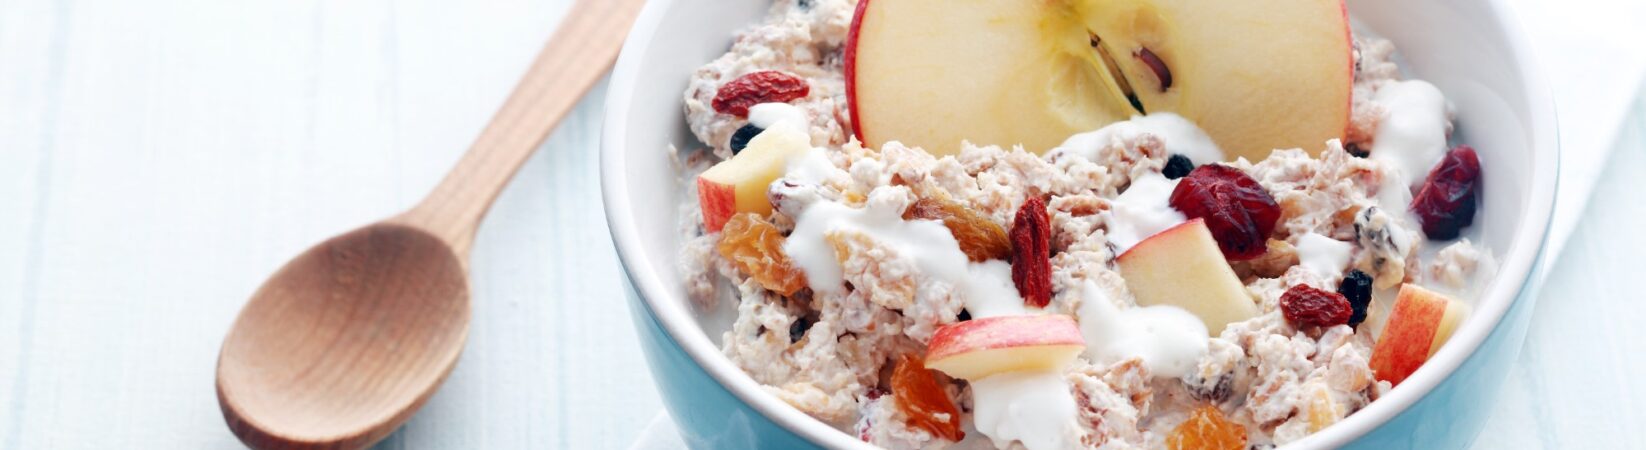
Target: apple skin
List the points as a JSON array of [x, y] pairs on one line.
[[977, 348], [717, 201], [1421, 322], [1182, 266]]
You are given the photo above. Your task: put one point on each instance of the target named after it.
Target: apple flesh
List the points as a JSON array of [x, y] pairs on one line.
[[977, 348], [1182, 266], [934, 73], [739, 184], [1422, 321], [1256, 75]]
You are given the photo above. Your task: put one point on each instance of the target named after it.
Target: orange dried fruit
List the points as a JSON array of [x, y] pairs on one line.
[[755, 247], [980, 238], [923, 400], [1207, 429]]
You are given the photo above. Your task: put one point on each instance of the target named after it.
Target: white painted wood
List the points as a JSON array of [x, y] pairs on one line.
[[158, 159]]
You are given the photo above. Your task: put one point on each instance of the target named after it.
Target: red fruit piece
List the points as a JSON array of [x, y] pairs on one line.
[[1239, 212], [1304, 306], [1446, 203], [1032, 253], [767, 86], [921, 398]]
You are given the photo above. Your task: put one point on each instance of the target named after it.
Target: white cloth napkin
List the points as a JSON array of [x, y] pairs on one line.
[[1594, 55]]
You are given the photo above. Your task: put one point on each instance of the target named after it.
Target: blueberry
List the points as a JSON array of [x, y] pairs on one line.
[[964, 315], [742, 136], [1177, 167], [1357, 287], [1355, 150]]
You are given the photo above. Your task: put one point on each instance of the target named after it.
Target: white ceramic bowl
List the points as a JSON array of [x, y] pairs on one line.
[[1472, 49]]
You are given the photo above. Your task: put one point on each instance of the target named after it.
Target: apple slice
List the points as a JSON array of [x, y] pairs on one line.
[[1421, 322], [977, 348], [1183, 267], [1256, 75], [738, 185], [933, 73]]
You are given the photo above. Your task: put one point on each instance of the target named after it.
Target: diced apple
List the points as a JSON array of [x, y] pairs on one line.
[[977, 348], [1422, 321], [1256, 75], [1183, 267], [738, 185]]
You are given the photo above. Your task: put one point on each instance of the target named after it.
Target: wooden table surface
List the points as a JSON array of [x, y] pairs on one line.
[[159, 159]]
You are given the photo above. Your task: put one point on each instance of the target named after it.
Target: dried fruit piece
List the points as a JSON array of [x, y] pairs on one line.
[[1207, 429], [921, 398], [1032, 253], [740, 138], [755, 246], [980, 238], [1357, 288], [1176, 167], [1446, 203], [767, 86], [1239, 212], [1304, 305]]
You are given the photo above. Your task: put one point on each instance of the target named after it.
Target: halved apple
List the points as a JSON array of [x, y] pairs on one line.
[[977, 348], [1183, 267], [1256, 75], [1421, 322], [738, 185], [932, 73]]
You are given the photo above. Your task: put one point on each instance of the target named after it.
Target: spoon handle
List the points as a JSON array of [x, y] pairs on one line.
[[576, 56]]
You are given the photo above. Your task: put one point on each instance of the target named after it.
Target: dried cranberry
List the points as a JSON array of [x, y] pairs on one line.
[[1357, 288], [1238, 211], [1303, 306], [767, 86], [1031, 253], [1177, 166], [1446, 203]]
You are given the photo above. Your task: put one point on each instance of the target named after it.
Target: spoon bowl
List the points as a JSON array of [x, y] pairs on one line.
[[353, 334]]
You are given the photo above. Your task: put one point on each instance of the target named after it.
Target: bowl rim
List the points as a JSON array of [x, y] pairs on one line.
[[677, 320]]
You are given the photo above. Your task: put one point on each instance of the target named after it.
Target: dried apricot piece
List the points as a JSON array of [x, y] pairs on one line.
[[755, 247], [980, 238], [921, 398], [1207, 429]]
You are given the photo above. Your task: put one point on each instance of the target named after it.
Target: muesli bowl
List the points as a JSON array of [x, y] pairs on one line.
[[1473, 51]]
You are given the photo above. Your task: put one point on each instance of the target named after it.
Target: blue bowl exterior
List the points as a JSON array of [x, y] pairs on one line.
[[707, 415], [1450, 416]]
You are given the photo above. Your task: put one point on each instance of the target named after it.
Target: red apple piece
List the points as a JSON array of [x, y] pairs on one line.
[[1182, 266], [977, 348], [1422, 321], [738, 185]]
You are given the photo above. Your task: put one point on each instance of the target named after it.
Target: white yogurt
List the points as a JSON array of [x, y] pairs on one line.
[[1142, 211], [773, 115], [934, 251], [1035, 408], [1411, 137], [1324, 256], [1169, 340], [1180, 135], [990, 290]]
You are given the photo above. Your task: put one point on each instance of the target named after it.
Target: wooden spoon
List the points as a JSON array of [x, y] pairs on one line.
[[346, 341]]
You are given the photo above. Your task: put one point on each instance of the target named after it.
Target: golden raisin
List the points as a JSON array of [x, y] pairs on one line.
[[921, 398], [1207, 429], [755, 247], [980, 238]]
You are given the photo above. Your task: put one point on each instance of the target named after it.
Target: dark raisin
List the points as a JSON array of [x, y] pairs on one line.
[[964, 315], [1213, 390], [1356, 150], [741, 137], [1357, 287], [798, 329], [1176, 167]]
